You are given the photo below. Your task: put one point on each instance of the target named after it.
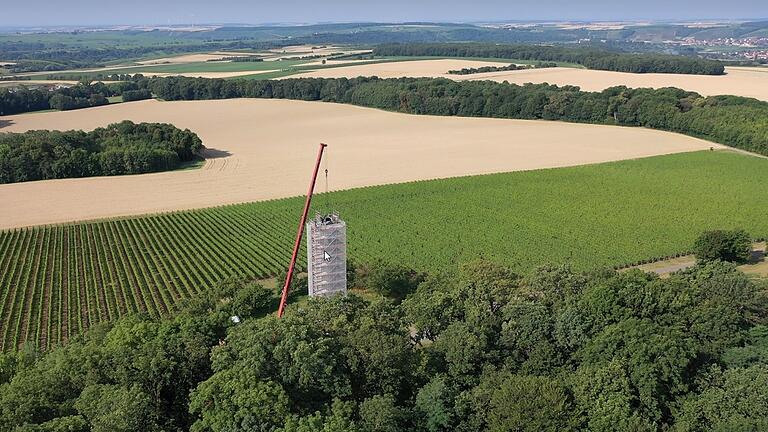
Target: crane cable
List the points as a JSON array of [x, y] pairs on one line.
[[325, 199]]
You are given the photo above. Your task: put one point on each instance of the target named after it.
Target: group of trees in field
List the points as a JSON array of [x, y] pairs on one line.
[[735, 121], [731, 246], [120, 148], [136, 95], [511, 67], [239, 59], [23, 100], [475, 349], [84, 95], [75, 98], [589, 57]]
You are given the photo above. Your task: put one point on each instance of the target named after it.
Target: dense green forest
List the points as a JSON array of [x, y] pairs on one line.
[[84, 95], [512, 67], [121, 148], [735, 121], [473, 349], [589, 57]]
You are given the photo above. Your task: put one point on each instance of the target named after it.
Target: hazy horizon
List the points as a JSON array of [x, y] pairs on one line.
[[146, 12]]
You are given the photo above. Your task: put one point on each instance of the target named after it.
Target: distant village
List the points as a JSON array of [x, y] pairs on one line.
[[756, 47]]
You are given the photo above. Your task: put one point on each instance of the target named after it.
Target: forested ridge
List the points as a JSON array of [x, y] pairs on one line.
[[42, 56], [120, 148], [589, 57], [734, 121], [477, 348]]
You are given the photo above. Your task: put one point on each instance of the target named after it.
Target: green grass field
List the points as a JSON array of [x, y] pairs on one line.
[[222, 66], [56, 281]]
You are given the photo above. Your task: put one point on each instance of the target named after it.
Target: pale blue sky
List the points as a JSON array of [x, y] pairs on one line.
[[91, 12]]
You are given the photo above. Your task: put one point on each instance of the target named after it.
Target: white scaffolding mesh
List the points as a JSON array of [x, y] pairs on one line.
[[327, 255]]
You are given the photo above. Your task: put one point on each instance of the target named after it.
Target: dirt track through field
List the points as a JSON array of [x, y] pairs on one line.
[[739, 81], [264, 149]]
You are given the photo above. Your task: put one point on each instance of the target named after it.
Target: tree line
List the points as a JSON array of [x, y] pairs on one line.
[[477, 348], [86, 94], [589, 57], [511, 67], [120, 148], [87, 77], [734, 121], [238, 59]]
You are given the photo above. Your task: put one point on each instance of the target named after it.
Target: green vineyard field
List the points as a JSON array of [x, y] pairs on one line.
[[56, 281]]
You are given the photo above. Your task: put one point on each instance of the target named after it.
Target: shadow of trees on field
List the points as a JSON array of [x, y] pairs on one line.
[[757, 256], [210, 153], [5, 123]]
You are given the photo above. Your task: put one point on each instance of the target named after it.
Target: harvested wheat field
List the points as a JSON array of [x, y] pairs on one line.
[[749, 82], [400, 69], [323, 50], [193, 58], [264, 149], [739, 81]]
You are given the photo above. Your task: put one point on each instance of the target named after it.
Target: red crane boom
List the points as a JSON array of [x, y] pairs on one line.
[[300, 233]]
